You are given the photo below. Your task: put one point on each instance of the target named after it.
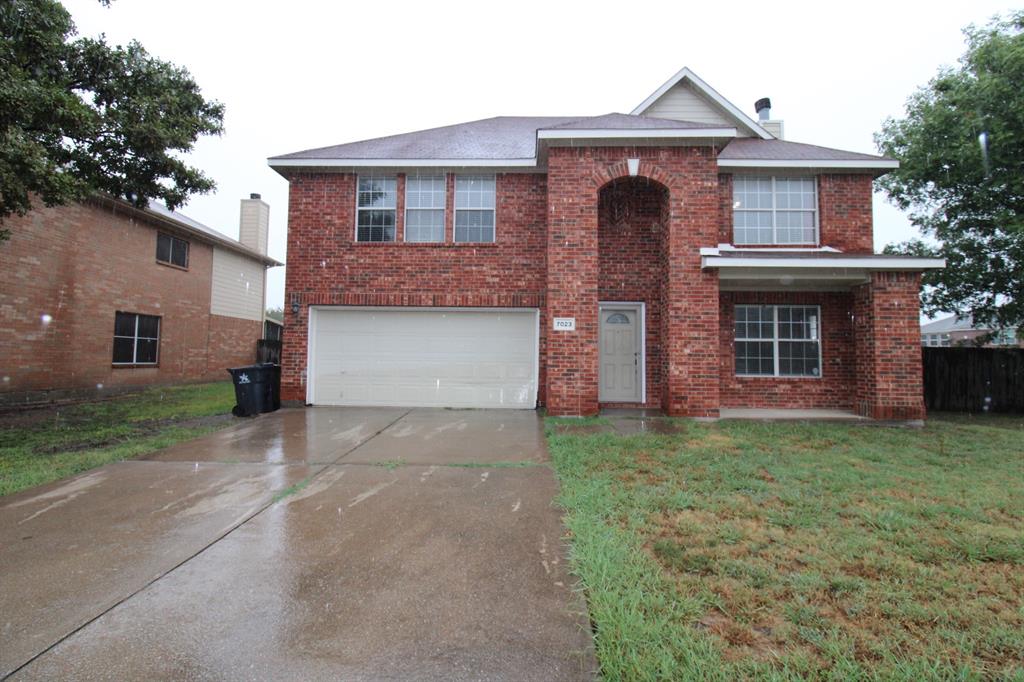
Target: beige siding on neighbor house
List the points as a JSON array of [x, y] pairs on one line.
[[682, 103], [237, 286]]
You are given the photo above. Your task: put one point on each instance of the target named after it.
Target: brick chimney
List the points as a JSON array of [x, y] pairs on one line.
[[254, 223]]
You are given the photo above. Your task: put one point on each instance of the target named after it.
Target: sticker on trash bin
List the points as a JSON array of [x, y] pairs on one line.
[[243, 379]]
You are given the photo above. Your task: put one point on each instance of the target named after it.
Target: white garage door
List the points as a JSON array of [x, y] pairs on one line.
[[423, 357]]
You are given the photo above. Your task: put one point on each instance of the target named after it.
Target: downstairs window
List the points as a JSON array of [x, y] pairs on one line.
[[778, 340], [136, 339]]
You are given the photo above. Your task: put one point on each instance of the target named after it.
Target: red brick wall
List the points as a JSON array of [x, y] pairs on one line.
[[327, 267], [844, 212], [80, 264], [690, 321], [631, 255], [889, 381], [832, 390]]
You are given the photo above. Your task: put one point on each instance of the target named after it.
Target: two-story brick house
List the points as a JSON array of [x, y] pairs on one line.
[[100, 296], [682, 257]]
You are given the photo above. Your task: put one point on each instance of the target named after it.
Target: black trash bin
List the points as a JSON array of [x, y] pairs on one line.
[[251, 390]]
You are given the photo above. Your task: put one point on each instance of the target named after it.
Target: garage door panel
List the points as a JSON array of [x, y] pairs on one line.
[[424, 358]]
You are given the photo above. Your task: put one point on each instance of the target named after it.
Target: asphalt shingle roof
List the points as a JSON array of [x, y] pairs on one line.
[[749, 148]]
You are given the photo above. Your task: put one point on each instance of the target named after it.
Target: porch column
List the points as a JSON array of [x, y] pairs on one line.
[[572, 255], [690, 331], [887, 340]]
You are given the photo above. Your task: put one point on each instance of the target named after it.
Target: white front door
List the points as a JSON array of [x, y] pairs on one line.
[[620, 353]]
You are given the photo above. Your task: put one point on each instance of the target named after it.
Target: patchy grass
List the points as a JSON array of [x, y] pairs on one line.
[[743, 550], [45, 445]]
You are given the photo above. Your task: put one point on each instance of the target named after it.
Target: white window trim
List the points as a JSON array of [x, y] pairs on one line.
[[775, 342], [456, 209], [355, 230], [135, 340], [443, 209], [775, 239]]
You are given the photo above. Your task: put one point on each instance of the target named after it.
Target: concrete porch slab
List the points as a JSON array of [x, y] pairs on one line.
[[419, 572], [790, 415]]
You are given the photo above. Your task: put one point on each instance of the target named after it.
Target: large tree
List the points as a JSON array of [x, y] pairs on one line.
[[79, 116], [961, 176]]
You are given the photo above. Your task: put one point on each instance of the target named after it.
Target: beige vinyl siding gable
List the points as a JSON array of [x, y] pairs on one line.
[[682, 103], [237, 289]]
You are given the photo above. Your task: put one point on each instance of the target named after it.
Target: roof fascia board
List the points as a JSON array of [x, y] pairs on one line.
[[404, 163], [863, 164], [710, 93], [634, 133], [908, 263]]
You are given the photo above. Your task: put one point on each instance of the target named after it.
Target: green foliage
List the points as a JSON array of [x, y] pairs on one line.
[[802, 551], [961, 153], [80, 116]]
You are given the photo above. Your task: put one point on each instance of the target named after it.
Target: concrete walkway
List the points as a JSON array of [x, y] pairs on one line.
[[306, 544]]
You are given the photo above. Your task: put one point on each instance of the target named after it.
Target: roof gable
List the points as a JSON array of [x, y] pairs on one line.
[[686, 96]]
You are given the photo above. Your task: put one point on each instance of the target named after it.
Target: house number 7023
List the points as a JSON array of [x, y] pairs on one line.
[[565, 324]]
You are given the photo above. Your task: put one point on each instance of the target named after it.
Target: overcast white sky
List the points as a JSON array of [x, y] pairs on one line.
[[303, 74]]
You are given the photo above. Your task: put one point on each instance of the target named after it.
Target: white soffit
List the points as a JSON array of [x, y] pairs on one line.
[[709, 92], [880, 263]]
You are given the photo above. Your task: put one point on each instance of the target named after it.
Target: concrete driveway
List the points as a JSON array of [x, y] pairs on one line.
[[305, 544]]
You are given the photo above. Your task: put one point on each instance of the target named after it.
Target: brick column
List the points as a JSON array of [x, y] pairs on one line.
[[887, 339], [572, 267], [690, 321]]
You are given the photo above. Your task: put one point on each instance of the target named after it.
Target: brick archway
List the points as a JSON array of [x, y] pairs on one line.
[[620, 169]]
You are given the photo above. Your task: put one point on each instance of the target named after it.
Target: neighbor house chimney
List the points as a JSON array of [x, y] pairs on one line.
[[763, 107], [254, 223]]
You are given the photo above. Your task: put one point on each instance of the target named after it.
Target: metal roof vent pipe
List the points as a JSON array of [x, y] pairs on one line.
[[763, 107]]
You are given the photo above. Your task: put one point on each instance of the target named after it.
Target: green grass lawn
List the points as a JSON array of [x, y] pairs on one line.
[[44, 445], [743, 550]]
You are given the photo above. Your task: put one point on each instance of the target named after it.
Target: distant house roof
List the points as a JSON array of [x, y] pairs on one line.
[[159, 213], [953, 323]]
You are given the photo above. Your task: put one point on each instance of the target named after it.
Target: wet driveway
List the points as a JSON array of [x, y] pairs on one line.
[[305, 544]]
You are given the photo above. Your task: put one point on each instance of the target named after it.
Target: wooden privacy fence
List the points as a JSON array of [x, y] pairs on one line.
[[974, 379], [268, 351]]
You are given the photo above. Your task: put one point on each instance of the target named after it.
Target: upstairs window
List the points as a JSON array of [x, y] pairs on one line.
[[136, 339], [424, 208], [778, 340], [171, 250], [774, 210], [474, 208], [375, 209]]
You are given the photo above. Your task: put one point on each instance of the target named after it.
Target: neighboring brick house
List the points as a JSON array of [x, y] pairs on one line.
[[102, 296], [962, 331], [682, 257]]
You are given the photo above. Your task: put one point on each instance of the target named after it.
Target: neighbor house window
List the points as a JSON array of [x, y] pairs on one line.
[[936, 340], [136, 339], [474, 208], [778, 340], [375, 212], [424, 208], [774, 210], [173, 250]]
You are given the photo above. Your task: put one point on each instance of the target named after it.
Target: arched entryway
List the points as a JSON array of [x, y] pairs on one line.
[[632, 228]]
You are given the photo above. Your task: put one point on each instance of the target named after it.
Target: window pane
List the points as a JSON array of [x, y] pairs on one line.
[[794, 226], [123, 349], [798, 358], [798, 322], [163, 248], [755, 357], [376, 226], [424, 226], [146, 350], [752, 227], [474, 191], [149, 326], [179, 252], [752, 192], [474, 226], [755, 322], [124, 324], [377, 192], [424, 191]]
